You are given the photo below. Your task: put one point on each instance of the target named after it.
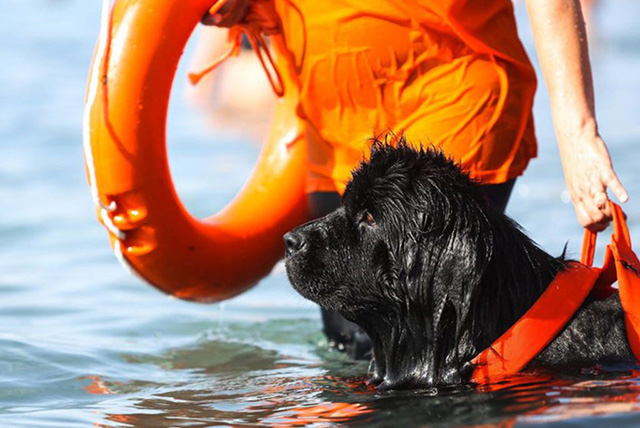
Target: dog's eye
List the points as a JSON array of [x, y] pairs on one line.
[[367, 219]]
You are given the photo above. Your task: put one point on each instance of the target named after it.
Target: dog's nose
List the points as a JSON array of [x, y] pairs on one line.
[[293, 242]]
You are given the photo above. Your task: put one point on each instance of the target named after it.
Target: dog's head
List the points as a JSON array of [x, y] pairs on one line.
[[406, 213], [404, 258]]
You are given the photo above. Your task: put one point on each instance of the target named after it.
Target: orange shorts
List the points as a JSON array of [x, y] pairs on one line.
[[366, 69]]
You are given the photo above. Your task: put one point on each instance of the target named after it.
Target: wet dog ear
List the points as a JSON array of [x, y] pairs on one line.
[[458, 250]]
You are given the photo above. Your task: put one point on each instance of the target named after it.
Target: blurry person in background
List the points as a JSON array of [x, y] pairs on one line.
[[236, 96]]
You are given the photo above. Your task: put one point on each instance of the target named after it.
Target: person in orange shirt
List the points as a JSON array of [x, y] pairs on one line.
[[452, 73]]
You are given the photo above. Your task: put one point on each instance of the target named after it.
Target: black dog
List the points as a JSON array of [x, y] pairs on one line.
[[434, 275]]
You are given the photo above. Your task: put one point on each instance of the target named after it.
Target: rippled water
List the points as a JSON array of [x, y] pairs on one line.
[[82, 342]]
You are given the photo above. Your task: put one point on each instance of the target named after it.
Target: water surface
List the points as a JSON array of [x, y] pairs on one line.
[[83, 343]]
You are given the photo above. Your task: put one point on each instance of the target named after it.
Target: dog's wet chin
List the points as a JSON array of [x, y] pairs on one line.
[[294, 266], [293, 273], [307, 281]]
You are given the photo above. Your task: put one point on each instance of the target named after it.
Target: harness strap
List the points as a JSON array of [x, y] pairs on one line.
[[560, 301], [538, 326], [620, 264]]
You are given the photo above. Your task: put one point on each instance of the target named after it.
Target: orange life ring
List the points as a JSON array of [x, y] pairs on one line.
[[134, 64]]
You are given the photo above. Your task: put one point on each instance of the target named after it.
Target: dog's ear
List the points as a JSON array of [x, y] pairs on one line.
[[463, 265], [459, 254]]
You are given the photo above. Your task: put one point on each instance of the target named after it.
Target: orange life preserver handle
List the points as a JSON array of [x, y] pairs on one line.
[[622, 265], [620, 235]]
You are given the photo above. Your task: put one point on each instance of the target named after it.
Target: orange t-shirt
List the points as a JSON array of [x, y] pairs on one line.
[[451, 73]]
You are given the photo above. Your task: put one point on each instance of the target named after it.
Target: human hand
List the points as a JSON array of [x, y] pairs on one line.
[[231, 12], [259, 15], [589, 172]]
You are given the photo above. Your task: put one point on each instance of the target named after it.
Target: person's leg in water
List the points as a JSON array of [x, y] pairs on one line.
[[344, 335]]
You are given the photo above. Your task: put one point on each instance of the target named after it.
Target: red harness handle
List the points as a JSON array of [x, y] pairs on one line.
[[620, 235], [621, 264]]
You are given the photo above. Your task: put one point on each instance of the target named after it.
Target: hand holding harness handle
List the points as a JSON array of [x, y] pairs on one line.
[[512, 351], [621, 264]]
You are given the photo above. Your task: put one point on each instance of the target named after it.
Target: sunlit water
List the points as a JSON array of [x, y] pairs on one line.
[[82, 342]]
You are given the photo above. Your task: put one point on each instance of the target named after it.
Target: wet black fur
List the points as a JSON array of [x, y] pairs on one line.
[[433, 274]]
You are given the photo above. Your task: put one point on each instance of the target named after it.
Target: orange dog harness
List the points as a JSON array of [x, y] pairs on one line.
[[556, 306]]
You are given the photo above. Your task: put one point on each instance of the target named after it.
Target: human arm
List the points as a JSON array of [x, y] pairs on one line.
[[561, 43]]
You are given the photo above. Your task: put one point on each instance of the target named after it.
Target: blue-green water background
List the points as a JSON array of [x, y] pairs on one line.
[[83, 343]]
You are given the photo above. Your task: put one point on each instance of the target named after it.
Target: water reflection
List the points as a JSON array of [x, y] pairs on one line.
[[271, 391], [244, 385]]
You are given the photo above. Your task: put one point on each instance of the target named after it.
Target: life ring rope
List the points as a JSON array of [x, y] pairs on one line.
[[260, 20]]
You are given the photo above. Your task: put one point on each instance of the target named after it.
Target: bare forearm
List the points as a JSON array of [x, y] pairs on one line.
[[561, 43]]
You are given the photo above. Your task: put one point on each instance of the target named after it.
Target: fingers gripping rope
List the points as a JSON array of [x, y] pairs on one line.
[[261, 19]]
